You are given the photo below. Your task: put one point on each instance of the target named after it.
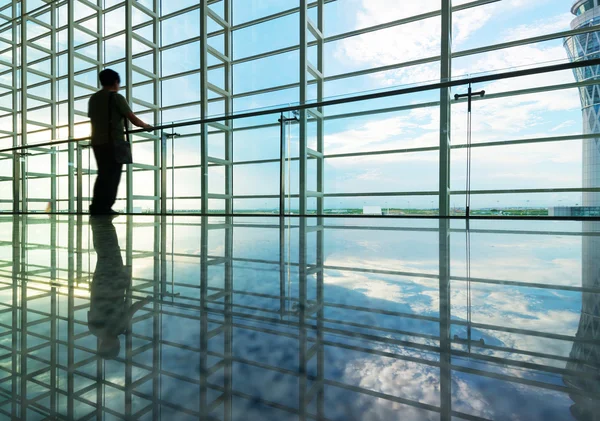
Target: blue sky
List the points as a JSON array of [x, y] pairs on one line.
[[545, 114]]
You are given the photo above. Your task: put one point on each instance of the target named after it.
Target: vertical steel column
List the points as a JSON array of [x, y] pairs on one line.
[[303, 115], [79, 172], [16, 181], [320, 112], [53, 169], [204, 106], [228, 8], [445, 345], [225, 93], [282, 155], [15, 119], [129, 91], [159, 205], [71, 109], [163, 173], [100, 52], [100, 30], [24, 194], [316, 71], [53, 110], [445, 109], [79, 262]]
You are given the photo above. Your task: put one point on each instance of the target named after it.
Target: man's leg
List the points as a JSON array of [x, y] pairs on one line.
[[99, 201], [115, 179]]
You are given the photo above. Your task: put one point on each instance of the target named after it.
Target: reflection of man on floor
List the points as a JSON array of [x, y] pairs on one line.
[[110, 310]]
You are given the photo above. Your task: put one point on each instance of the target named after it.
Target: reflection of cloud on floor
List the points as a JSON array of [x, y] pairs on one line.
[[373, 286], [554, 260], [532, 258], [409, 380], [479, 396], [429, 267], [557, 272]]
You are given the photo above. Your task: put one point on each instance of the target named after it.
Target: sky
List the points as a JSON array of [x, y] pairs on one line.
[[551, 113]]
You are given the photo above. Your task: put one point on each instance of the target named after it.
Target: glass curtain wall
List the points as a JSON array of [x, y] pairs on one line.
[[187, 60]]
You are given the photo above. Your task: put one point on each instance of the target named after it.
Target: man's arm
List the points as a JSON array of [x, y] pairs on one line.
[[126, 112], [135, 307], [136, 121]]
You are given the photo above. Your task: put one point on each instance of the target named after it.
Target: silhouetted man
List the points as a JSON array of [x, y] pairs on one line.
[[108, 110]]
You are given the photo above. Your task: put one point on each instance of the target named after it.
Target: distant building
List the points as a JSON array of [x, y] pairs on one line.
[[574, 211], [584, 47], [372, 210]]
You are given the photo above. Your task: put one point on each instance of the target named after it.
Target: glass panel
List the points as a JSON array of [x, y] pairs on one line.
[[530, 133]]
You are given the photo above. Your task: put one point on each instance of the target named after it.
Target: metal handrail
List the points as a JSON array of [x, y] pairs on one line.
[[347, 100], [393, 92]]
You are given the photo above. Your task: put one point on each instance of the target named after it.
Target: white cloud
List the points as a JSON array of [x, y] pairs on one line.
[[370, 135], [515, 117], [421, 39], [539, 27], [466, 24], [568, 123], [393, 45], [515, 58], [371, 174], [403, 43]]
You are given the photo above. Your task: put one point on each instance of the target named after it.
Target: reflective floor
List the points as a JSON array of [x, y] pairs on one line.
[[186, 318]]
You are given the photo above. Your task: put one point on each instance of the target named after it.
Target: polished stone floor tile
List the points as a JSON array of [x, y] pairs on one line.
[[177, 318]]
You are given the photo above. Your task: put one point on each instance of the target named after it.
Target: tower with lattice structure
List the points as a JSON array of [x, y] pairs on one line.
[[586, 46]]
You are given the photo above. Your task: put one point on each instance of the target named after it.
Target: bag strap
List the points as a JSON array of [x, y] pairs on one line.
[[110, 120]]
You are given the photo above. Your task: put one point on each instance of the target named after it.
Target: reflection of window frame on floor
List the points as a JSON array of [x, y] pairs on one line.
[[63, 280]]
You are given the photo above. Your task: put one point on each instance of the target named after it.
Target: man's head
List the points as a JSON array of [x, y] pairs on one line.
[[109, 79]]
